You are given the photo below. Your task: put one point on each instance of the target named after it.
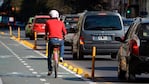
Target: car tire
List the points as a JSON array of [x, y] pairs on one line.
[[31, 37], [26, 35], [121, 74], [74, 56], [113, 55], [74, 53], [130, 76], [80, 53], [122, 68]]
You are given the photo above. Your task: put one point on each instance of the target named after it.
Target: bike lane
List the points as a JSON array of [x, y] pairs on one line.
[[22, 65]]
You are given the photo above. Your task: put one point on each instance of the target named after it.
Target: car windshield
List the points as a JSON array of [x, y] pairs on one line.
[[41, 20], [72, 18], [127, 22], [102, 22], [70, 24], [71, 21]]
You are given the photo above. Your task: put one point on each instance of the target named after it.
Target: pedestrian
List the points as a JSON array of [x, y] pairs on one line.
[[55, 31]]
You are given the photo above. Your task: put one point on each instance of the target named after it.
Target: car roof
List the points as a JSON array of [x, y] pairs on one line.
[[101, 13], [42, 16], [69, 15], [142, 20]]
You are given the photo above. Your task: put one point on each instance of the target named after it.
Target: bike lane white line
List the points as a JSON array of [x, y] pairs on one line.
[[1, 81]]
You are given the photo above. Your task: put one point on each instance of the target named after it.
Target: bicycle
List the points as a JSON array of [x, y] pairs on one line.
[[56, 51]]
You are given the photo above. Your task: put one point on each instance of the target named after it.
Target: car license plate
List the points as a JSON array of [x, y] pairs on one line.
[[101, 38]]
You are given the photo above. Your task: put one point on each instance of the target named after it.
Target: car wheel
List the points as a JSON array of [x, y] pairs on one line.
[[31, 37], [80, 53], [113, 55], [130, 76], [74, 52], [26, 35], [74, 56], [121, 72]]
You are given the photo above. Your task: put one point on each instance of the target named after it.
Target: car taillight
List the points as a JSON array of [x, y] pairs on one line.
[[135, 47], [81, 40], [35, 25]]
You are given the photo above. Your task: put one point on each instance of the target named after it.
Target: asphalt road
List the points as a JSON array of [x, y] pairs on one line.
[[105, 68], [22, 65]]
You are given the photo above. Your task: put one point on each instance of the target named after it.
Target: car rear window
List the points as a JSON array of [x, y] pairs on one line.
[[41, 20], [72, 19], [144, 30], [127, 22], [102, 22]]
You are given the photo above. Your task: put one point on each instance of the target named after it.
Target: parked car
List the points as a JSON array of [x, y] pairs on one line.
[[70, 21], [28, 27], [97, 28], [38, 26], [133, 55], [127, 22]]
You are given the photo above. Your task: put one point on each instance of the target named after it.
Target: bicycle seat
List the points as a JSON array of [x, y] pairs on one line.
[[56, 44]]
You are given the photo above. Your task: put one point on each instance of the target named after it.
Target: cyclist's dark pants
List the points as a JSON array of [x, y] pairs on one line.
[[50, 50]]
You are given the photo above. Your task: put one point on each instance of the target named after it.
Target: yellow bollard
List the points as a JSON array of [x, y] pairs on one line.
[[86, 75], [74, 70], [79, 71], [19, 33], [65, 65], [93, 61], [35, 40], [70, 67], [10, 31]]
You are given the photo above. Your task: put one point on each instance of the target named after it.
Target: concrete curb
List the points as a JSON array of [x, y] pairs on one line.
[[77, 70]]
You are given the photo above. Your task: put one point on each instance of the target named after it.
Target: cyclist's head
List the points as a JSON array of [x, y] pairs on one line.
[[54, 14]]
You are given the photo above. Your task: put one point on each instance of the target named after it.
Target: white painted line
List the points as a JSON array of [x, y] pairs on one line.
[[1, 81], [28, 66], [20, 59], [9, 49], [25, 64], [31, 69], [34, 72], [23, 61], [42, 79]]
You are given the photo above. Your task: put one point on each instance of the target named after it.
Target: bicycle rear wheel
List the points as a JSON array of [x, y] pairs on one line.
[[55, 68], [55, 55]]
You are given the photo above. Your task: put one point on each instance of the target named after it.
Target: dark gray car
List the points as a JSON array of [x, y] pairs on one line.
[[133, 55], [97, 28]]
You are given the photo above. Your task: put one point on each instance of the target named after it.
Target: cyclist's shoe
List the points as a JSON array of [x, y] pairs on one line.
[[49, 73], [61, 59]]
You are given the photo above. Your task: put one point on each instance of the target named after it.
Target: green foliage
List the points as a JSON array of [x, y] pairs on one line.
[[30, 8]]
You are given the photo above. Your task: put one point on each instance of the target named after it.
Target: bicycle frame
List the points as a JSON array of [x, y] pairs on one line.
[[55, 54]]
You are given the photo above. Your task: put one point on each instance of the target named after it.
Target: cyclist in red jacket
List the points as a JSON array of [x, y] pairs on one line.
[[55, 31]]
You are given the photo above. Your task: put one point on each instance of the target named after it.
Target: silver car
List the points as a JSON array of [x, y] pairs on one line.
[[97, 28]]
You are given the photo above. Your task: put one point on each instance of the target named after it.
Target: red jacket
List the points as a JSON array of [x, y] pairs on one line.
[[55, 28]]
